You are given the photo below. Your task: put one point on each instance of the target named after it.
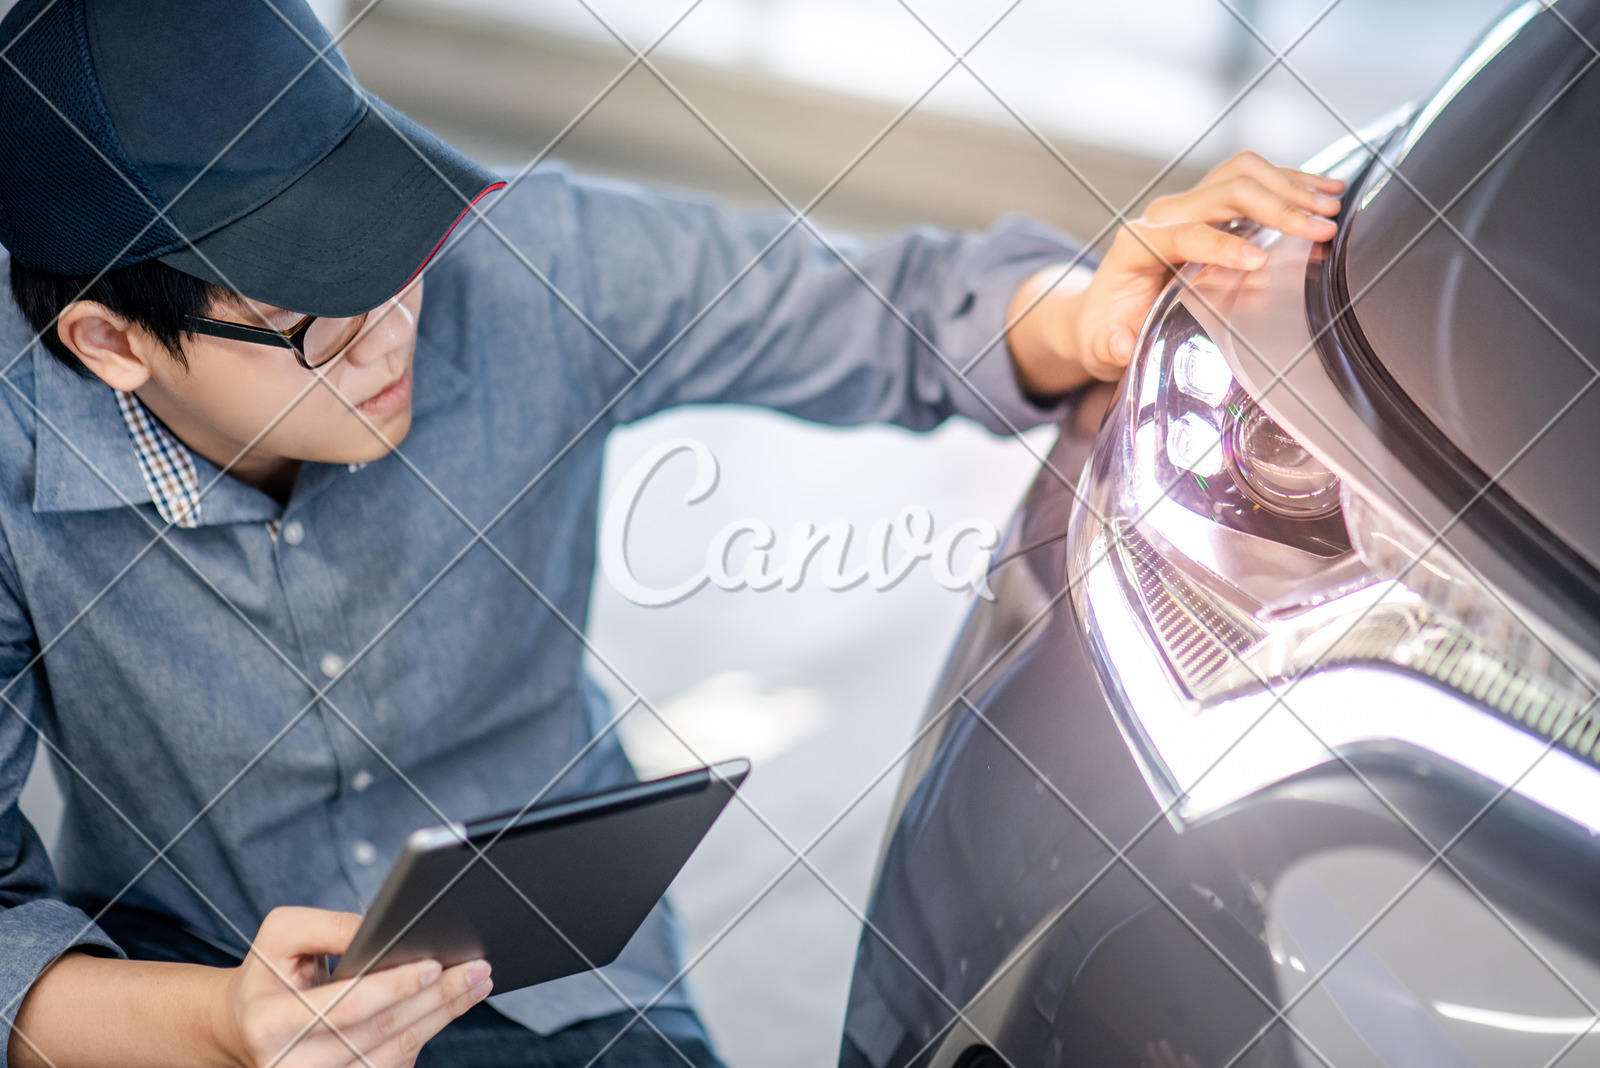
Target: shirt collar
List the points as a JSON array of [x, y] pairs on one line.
[[82, 459], [85, 460]]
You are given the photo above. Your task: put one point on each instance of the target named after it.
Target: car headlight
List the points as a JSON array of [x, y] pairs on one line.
[[1251, 615]]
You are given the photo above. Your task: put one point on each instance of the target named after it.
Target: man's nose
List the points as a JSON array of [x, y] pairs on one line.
[[388, 326]]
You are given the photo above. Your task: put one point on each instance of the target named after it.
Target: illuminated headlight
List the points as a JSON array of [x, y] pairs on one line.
[[1251, 616]]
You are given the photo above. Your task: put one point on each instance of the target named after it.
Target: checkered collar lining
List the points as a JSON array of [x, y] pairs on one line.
[[166, 462], [168, 465]]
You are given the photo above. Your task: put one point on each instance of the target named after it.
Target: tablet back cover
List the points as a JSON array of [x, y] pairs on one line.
[[548, 900]]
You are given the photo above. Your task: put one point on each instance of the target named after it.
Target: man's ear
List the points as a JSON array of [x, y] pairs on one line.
[[106, 343]]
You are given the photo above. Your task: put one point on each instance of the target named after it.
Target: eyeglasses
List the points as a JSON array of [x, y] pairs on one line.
[[314, 341]]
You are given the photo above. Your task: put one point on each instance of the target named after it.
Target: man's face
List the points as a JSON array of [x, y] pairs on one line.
[[237, 397]]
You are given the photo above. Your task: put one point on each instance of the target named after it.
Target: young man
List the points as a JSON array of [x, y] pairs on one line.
[[276, 591]]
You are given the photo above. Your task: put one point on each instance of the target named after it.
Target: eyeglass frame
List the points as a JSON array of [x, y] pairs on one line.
[[292, 338]]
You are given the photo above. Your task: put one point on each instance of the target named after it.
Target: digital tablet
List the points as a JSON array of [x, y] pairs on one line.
[[570, 881]]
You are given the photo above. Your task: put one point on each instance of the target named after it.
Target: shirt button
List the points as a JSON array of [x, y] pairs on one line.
[[332, 664], [361, 780], [364, 853], [293, 533]]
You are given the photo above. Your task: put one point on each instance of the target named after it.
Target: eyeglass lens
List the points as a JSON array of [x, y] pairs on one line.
[[327, 338]]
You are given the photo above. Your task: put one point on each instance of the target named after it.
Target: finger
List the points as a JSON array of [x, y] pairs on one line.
[[460, 988], [1248, 198], [290, 932], [400, 1049], [1109, 353], [376, 1027], [302, 1016], [349, 1002], [1264, 171], [1197, 242], [1279, 205], [1119, 345], [1311, 191], [1320, 182]]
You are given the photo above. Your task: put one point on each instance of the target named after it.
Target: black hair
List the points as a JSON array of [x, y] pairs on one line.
[[150, 295]]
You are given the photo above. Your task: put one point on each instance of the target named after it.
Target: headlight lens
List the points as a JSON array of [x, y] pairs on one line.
[[1219, 559], [1276, 470], [1201, 443]]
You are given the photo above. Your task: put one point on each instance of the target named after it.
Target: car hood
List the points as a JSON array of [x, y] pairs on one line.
[[1471, 258]]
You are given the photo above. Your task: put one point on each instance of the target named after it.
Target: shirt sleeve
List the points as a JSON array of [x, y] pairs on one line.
[[711, 305], [36, 926]]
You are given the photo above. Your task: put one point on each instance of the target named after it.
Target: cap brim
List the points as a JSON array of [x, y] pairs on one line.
[[353, 230]]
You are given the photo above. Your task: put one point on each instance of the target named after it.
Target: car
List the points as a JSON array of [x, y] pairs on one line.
[[1278, 744]]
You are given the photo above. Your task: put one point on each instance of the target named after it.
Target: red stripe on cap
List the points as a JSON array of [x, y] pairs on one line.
[[429, 258]]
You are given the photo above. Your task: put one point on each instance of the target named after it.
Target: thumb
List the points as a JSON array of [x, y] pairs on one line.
[[1121, 344], [290, 932], [1111, 349]]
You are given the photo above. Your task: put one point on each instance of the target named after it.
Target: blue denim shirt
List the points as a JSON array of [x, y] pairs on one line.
[[179, 674]]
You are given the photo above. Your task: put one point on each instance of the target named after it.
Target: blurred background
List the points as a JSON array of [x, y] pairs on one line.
[[1064, 108]]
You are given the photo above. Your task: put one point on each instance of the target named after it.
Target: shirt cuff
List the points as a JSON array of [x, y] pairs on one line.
[[34, 934], [974, 337]]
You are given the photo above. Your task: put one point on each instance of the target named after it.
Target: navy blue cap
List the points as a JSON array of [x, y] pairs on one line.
[[303, 190]]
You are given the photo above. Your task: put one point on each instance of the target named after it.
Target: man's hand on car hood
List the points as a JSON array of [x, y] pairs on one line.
[[1063, 336]]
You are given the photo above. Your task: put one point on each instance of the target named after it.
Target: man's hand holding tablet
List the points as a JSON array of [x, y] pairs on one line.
[[382, 1018]]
